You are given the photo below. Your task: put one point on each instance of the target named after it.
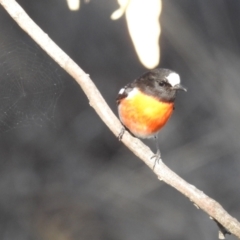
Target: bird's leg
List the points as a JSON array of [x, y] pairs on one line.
[[120, 135], [157, 156]]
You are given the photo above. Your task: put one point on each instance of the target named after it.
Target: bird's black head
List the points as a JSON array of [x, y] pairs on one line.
[[160, 83]]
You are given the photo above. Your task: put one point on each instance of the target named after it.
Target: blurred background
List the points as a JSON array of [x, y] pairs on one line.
[[65, 176]]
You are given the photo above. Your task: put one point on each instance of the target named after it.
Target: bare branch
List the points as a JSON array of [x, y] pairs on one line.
[[210, 206]]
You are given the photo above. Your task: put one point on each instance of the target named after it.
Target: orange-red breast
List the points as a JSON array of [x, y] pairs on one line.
[[146, 104]]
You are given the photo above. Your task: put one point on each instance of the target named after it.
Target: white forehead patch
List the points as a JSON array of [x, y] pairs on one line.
[[173, 79]]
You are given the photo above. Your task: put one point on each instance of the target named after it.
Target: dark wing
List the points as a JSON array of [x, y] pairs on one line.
[[123, 93]]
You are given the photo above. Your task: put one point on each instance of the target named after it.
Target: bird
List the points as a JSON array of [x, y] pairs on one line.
[[146, 104]]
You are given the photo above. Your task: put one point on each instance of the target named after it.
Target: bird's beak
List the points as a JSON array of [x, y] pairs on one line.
[[179, 87]]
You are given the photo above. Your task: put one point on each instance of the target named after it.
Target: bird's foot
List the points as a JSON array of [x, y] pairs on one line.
[[120, 135], [157, 157]]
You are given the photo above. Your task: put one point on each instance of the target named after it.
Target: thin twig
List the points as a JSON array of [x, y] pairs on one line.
[[210, 206]]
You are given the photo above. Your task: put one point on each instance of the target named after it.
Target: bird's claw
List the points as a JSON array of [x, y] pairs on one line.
[[120, 135], [157, 157]]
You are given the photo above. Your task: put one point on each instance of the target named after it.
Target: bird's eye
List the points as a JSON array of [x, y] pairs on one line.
[[162, 83]]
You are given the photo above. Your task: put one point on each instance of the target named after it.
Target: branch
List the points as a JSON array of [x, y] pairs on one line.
[[210, 206]]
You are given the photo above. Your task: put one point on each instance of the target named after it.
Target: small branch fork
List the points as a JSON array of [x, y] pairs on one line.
[[210, 206]]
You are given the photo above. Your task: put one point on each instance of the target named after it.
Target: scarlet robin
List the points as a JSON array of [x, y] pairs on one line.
[[146, 104]]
